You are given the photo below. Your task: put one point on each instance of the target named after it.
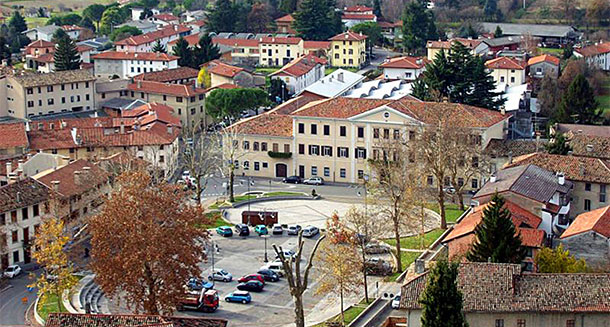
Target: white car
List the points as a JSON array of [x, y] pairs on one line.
[[275, 266], [396, 302], [314, 181], [310, 231], [220, 274], [12, 271], [277, 229]]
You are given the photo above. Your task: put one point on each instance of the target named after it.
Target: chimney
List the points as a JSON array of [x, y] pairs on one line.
[[420, 266], [77, 177], [9, 168], [589, 147], [20, 164], [170, 129], [340, 77], [122, 128], [493, 178], [561, 179], [18, 197], [55, 185]]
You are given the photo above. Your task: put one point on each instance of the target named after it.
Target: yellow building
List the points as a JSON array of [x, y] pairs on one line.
[[278, 51], [348, 50], [507, 71]]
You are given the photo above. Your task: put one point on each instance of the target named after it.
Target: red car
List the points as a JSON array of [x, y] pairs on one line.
[[246, 278]]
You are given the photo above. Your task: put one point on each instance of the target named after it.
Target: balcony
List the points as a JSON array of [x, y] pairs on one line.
[[279, 155]]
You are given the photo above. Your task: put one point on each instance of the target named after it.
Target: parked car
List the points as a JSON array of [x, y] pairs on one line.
[[186, 174], [197, 284], [12, 271], [277, 229], [310, 231], [269, 275], [242, 230], [449, 189], [314, 181], [220, 274], [287, 254], [294, 229], [376, 248], [246, 278], [225, 231], [261, 230], [251, 285], [293, 180], [239, 296], [396, 302], [276, 267]]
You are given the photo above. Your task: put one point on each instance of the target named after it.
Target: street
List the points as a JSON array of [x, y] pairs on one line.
[[12, 309]]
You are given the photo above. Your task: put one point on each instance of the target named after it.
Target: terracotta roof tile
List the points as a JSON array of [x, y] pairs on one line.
[[590, 146], [316, 44], [532, 238], [129, 320], [13, 135], [30, 192], [281, 40], [61, 77], [405, 62], [222, 69], [575, 168], [594, 50], [166, 17], [165, 88], [579, 129], [122, 55], [358, 16], [348, 36], [68, 183], [505, 63], [153, 36], [543, 58], [357, 8], [285, 19], [168, 75], [51, 139], [471, 44], [245, 43], [40, 44], [300, 66], [514, 148], [597, 220], [192, 40]]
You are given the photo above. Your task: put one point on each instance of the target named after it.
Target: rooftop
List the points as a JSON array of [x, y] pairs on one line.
[[124, 55], [543, 58], [165, 88], [166, 17], [575, 168], [357, 8], [533, 29], [469, 43], [55, 78], [594, 50], [335, 83], [150, 37], [248, 43], [300, 66], [222, 69], [350, 16], [505, 63], [316, 44], [13, 135], [129, 320], [590, 146], [578, 129], [502, 41], [348, 36], [22, 193], [405, 62], [40, 44], [281, 40], [169, 75], [69, 185], [512, 148], [597, 220], [285, 19]]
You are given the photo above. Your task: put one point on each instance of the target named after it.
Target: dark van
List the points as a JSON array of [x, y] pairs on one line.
[[242, 230]]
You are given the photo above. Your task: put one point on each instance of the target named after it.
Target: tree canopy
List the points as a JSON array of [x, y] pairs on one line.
[[417, 26], [223, 103], [558, 260], [317, 20], [124, 32], [372, 31], [182, 50], [442, 301], [95, 13], [66, 55], [578, 104], [559, 145], [205, 51]]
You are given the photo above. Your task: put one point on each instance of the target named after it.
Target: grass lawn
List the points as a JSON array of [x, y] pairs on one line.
[[328, 71], [349, 315], [49, 306], [413, 242], [238, 198], [552, 51], [270, 194], [604, 102], [36, 21], [407, 259], [216, 220], [452, 211], [266, 70]]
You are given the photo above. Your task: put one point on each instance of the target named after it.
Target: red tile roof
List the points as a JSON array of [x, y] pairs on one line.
[[405, 62], [51, 139], [154, 36], [224, 86], [40, 44], [281, 40], [155, 134], [348, 36], [597, 220], [543, 58], [471, 44], [153, 112], [166, 17], [165, 88], [532, 238], [285, 19], [582, 169], [300, 66], [245, 43], [30, 192], [222, 69], [316, 45], [192, 40], [68, 184], [358, 16], [169, 75], [129, 320], [13, 135], [505, 63], [594, 50], [358, 8], [122, 55]]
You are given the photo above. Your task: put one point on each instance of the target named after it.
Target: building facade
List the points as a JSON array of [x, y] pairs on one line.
[[279, 51], [300, 73], [507, 71], [145, 42], [404, 68], [348, 50], [129, 64], [597, 55]]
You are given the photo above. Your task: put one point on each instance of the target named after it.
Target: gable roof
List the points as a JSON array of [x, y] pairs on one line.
[[300, 66], [129, 320], [166, 17], [469, 43], [168, 75], [281, 40], [192, 40], [40, 44], [527, 180], [123, 55], [153, 36], [348, 36], [512, 148], [597, 220], [577, 129], [594, 50], [222, 69], [543, 58], [246, 43], [316, 44], [165, 88], [405, 62], [575, 168], [285, 19], [357, 8], [348, 16], [21, 194], [68, 184], [54, 78], [335, 83], [13, 135], [533, 29], [504, 63], [502, 41], [589, 146]]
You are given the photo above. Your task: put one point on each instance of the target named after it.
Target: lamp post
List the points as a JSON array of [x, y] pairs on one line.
[[365, 177], [265, 237], [250, 183]]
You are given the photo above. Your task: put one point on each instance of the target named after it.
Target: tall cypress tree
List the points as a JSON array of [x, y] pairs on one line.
[[66, 56], [442, 301], [158, 47], [377, 9], [205, 51], [578, 104], [317, 20], [496, 236], [182, 50]]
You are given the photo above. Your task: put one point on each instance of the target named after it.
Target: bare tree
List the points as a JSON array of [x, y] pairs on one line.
[[297, 281], [201, 157], [231, 150]]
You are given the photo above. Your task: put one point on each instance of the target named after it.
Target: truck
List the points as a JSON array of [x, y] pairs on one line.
[[253, 218], [205, 300]]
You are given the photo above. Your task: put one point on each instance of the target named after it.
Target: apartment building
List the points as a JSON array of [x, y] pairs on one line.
[[278, 51], [404, 68], [301, 73], [596, 55], [334, 138], [244, 51], [113, 64], [188, 101], [348, 50], [145, 42], [23, 205], [507, 71], [358, 14], [31, 95]]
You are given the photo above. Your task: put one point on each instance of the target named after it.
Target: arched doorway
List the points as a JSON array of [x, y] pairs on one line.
[[281, 170]]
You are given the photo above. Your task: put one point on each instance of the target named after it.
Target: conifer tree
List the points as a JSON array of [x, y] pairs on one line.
[[498, 32], [181, 49], [158, 47], [317, 20], [417, 27], [578, 104], [441, 300], [497, 239], [377, 9], [205, 51], [288, 6], [66, 55], [222, 17]]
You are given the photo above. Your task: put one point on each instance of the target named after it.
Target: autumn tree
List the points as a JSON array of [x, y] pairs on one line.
[[231, 153], [558, 260], [548, 96], [259, 18], [298, 280], [145, 242], [49, 252], [201, 157]]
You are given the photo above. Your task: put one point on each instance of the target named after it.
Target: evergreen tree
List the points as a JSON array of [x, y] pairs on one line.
[[491, 8], [377, 9], [95, 12], [496, 236], [205, 51], [221, 18], [241, 10], [559, 145], [317, 20], [66, 56], [182, 50], [5, 50], [372, 31], [288, 6], [442, 301], [158, 47], [58, 35], [417, 26], [578, 104], [498, 32], [17, 23]]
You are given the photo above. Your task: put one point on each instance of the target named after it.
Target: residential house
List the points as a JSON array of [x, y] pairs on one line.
[[348, 49], [278, 51], [136, 12], [334, 138], [590, 177], [35, 49], [543, 65], [197, 26], [65, 319], [504, 43], [586, 140], [188, 101], [222, 73], [116, 64], [13, 138], [30, 95], [358, 14], [391, 30], [505, 70], [319, 49], [284, 24], [39, 55], [459, 241], [404, 68], [179, 75], [477, 47], [98, 44], [44, 33], [300, 73], [338, 83], [145, 42], [106, 90], [535, 189], [596, 55], [193, 15], [500, 152], [242, 51], [22, 205], [30, 165], [547, 34], [143, 25], [73, 31], [115, 106], [588, 237], [164, 19], [501, 294]]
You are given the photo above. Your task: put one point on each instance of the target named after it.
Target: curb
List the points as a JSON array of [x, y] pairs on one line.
[[38, 318], [267, 199]]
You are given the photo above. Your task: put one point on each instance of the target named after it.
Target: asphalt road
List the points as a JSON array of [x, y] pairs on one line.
[[12, 309]]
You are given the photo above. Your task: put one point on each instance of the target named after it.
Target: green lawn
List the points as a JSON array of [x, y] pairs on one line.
[[216, 220], [266, 70], [270, 194], [551, 51], [328, 71], [238, 198], [49, 306], [349, 314], [407, 259], [414, 242], [604, 102], [36, 21], [452, 211]]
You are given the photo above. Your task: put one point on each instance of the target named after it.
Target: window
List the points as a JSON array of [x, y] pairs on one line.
[[30, 91], [14, 217], [63, 99], [314, 129], [570, 323], [314, 150], [164, 97], [36, 210], [588, 187], [301, 148], [587, 205], [342, 131], [499, 322], [192, 99], [178, 99], [276, 147], [63, 87], [263, 146], [360, 174], [314, 171], [447, 181], [396, 134], [501, 79], [161, 159], [360, 132], [15, 237], [360, 153], [460, 182], [255, 146], [50, 88], [246, 145], [475, 183], [24, 213], [257, 166], [286, 148], [246, 165], [386, 133], [512, 79], [30, 104], [475, 162], [411, 135], [265, 165], [343, 152], [193, 111], [327, 150], [301, 128], [430, 180], [86, 85], [375, 133], [326, 172], [602, 193], [327, 130], [342, 173]]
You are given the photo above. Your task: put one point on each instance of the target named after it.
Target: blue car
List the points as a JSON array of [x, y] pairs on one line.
[[239, 296], [261, 230], [197, 284], [225, 231]]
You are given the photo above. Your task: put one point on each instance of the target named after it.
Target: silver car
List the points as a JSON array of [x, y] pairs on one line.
[[310, 231], [220, 274]]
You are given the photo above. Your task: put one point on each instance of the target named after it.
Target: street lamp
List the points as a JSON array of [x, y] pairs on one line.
[[265, 237], [250, 183], [365, 177]]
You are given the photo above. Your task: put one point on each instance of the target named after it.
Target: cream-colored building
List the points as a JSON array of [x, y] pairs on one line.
[[507, 71], [278, 51], [334, 138], [31, 95], [348, 50]]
